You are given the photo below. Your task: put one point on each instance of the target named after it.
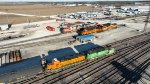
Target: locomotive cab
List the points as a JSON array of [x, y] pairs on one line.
[[55, 64], [55, 61]]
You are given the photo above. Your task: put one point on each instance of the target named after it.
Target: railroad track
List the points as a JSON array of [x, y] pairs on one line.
[[52, 41], [124, 40], [33, 39], [136, 69], [80, 67], [100, 67], [42, 76], [96, 69], [113, 72]]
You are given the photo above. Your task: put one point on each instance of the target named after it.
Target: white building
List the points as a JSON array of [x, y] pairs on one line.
[[3, 27], [140, 8], [88, 4], [70, 5]]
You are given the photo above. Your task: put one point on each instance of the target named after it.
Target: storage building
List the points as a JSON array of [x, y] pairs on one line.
[[4, 27]]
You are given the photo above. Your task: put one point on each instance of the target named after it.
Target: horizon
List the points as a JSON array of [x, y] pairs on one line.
[[64, 0]]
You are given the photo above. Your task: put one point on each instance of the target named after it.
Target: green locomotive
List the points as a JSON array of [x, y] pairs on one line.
[[99, 52]]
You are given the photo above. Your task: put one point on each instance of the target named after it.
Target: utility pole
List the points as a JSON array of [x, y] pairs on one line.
[[147, 20], [7, 19]]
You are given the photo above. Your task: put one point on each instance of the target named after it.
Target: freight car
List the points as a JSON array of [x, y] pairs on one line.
[[24, 68], [90, 54], [98, 28]]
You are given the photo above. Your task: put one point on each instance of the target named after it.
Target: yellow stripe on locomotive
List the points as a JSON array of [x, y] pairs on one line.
[[58, 64]]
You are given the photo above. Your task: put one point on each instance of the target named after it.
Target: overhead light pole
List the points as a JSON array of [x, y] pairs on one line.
[[147, 20]]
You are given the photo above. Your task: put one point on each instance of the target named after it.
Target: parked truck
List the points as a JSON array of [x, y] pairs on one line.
[[50, 28]]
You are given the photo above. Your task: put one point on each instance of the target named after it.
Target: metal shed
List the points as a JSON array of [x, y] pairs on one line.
[[85, 38]]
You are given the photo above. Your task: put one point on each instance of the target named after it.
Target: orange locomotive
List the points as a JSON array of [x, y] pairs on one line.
[[89, 30], [98, 28], [61, 63]]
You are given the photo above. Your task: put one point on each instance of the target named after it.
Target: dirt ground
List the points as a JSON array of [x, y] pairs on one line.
[[15, 19], [36, 9], [40, 9]]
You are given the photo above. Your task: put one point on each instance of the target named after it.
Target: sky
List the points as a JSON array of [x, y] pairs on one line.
[[61, 0]]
